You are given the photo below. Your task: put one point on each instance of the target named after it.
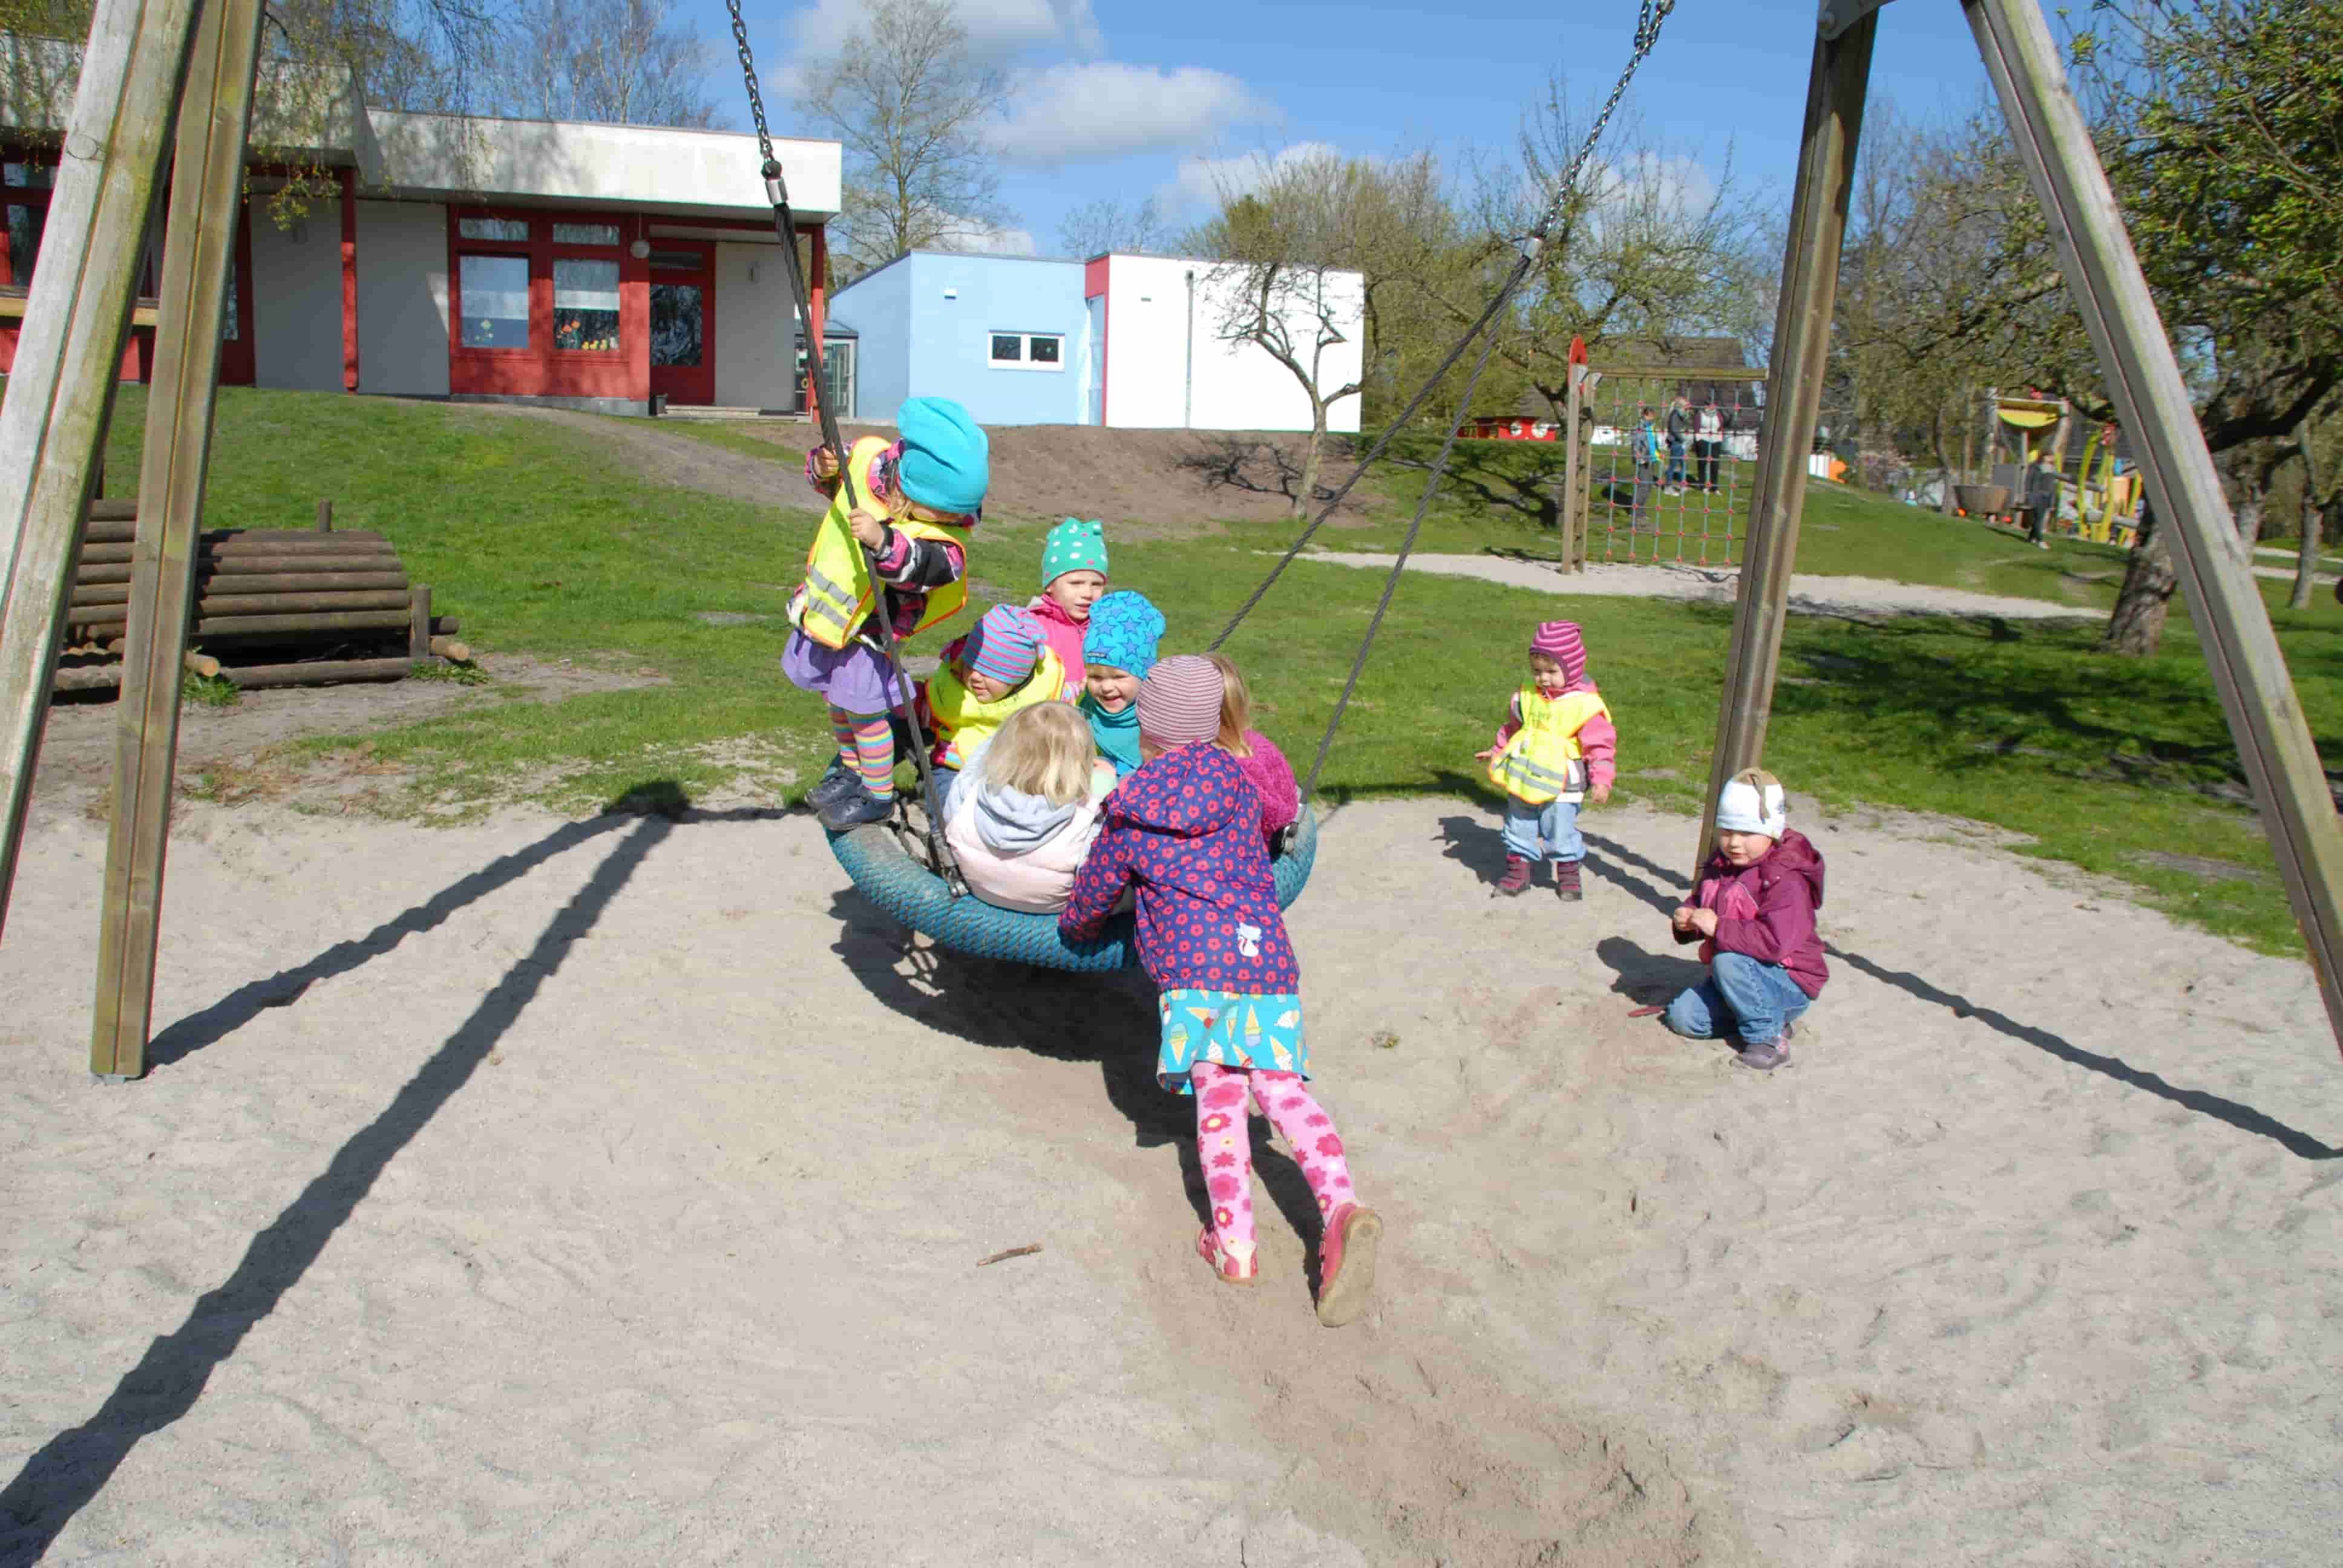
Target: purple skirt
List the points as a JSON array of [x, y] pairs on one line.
[[854, 677]]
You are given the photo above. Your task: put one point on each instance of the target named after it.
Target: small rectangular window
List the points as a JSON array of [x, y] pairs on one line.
[[1027, 351], [586, 305], [494, 297], [585, 234], [503, 229], [33, 176], [1045, 350], [1008, 349]]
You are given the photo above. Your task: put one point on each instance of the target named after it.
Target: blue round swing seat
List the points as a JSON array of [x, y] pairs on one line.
[[894, 879]]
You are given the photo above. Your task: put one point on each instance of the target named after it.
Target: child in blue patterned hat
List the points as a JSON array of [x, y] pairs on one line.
[[1073, 577], [1118, 651]]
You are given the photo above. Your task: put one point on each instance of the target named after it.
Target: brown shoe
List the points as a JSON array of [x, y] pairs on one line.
[[1346, 1264], [1517, 876], [1566, 884]]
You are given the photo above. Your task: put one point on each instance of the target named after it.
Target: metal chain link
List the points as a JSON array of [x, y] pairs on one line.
[[1648, 34], [749, 75]]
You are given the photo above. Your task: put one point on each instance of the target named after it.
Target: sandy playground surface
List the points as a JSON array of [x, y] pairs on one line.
[[614, 1192]]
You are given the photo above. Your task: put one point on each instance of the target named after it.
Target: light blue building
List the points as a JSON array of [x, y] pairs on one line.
[[1009, 336]]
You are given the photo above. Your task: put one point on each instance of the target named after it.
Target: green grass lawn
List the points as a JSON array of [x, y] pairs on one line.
[[543, 543]]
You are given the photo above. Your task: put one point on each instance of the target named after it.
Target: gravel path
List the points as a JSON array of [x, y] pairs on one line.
[[1809, 594]]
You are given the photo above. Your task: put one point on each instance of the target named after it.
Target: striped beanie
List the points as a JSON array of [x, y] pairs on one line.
[[1181, 701], [1124, 630], [1005, 645], [1073, 545], [1561, 641]]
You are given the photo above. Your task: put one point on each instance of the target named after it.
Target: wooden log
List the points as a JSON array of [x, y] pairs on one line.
[[325, 516], [448, 649], [61, 381], [101, 677], [418, 623], [301, 628], [198, 258], [376, 565], [319, 672], [201, 664], [122, 511], [113, 541], [447, 624], [230, 585]]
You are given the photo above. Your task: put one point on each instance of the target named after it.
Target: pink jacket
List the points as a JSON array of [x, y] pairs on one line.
[[1065, 634], [1036, 880], [1767, 911], [1272, 778]]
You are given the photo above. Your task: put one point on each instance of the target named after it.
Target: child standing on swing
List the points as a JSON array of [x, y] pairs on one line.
[[1185, 831], [916, 500]]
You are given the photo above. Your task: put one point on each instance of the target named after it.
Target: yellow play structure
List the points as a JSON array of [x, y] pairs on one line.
[[2105, 503]]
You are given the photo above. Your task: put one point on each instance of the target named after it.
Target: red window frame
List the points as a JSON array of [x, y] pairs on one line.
[[541, 369]]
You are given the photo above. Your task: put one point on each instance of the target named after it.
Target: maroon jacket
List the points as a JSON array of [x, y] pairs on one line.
[[1767, 911]]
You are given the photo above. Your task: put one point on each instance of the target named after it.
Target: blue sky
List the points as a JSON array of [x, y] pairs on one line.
[[1125, 100]]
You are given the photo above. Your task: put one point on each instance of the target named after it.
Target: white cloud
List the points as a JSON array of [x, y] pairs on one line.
[[996, 28], [1672, 186], [1106, 110], [1206, 181], [984, 240]]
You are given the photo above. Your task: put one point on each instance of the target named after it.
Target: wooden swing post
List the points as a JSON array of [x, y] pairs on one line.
[[1834, 98], [67, 358], [200, 245], [2104, 278]]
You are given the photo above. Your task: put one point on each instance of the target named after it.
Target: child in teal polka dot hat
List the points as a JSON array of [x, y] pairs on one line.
[[1073, 576]]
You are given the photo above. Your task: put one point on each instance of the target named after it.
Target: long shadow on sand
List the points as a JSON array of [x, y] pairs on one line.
[[72, 1468], [2244, 1118], [1111, 1020]]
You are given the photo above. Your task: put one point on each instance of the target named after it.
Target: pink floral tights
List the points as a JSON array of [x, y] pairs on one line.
[[1225, 1146]]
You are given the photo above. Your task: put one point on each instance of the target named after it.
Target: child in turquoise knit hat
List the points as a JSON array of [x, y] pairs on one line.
[[1119, 649], [916, 500], [1073, 576]]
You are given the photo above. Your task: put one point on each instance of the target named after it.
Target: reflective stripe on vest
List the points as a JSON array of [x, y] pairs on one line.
[[962, 723], [1543, 761], [838, 592]]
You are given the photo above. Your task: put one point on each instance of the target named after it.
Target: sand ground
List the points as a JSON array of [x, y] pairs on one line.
[[614, 1192]]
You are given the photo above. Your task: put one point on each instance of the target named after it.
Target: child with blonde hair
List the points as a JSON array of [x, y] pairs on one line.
[[1184, 831], [1025, 810], [902, 552], [1265, 767], [1556, 749]]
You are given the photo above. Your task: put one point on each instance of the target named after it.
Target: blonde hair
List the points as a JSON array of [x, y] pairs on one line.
[[1236, 707], [1044, 750]]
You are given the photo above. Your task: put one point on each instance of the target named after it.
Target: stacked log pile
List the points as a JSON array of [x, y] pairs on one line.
[[325, 591]]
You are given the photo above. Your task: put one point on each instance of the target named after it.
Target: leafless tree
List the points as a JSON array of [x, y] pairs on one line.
[[624, 62], [910, 103], [1096, 228]]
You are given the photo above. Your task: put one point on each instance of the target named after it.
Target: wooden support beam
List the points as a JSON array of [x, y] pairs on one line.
[[419, 621], [2104, 279], [1834, 98], [68, 358], [206, 189], [325, 516], [1573, 548]]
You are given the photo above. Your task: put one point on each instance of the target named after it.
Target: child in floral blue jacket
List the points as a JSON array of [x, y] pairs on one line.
[[1184, 830]]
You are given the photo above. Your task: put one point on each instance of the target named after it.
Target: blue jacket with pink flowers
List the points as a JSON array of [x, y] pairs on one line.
[[1186, 829]]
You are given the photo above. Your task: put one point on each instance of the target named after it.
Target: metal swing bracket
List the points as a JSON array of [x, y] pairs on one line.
[[1837, 15]]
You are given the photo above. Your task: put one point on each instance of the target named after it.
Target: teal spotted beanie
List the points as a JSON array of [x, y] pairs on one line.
[[1073, 545]]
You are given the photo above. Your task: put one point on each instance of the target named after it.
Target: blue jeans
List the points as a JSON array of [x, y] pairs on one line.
[[944, 778], [1676, 460], [1761, 1000], [1543, 832]]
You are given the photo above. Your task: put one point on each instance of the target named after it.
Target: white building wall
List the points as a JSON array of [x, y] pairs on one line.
[[402, 300], [756, 328], [1168, 367], [296, 300]]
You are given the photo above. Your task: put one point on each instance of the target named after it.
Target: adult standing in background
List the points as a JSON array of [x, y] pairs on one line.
[[1679, 431], [1707, 439]]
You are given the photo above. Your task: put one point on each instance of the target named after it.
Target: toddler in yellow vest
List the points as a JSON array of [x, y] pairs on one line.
[[916, 500], [1556, 749], [1003, 665]]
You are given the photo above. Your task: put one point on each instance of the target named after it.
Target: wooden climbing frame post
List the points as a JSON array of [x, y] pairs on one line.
[[206, 190], [61, 387], [2104, 278], [1834, 98]]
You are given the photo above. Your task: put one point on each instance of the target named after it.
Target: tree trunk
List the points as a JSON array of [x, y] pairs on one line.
[[2305, 564], [1308, 489], [2149, 577]]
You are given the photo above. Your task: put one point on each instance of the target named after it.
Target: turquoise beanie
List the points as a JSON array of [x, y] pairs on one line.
[[1073, 545], [1122, 633], [947, 462]]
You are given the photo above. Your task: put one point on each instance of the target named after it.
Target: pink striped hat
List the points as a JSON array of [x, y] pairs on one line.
[[1180, 701], [1561, 641]]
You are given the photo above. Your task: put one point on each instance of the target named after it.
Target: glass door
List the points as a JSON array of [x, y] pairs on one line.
[[683, 320]]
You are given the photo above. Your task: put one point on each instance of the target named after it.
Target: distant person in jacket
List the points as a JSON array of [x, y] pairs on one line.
[[1708, 444], [1184, 831], [1753, 912], [2041, 500], [1679, 432]]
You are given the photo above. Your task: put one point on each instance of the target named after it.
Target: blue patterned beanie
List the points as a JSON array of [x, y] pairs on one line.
[[1122, 633], [947, 462], [1073, 545]]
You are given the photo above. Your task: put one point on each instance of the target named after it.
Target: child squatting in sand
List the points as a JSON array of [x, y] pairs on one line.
[[1185, 831], [1753, 912]]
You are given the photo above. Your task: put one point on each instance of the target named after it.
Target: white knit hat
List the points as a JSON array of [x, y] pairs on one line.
[[1753, 802]]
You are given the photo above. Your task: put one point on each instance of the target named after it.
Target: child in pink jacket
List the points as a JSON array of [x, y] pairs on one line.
[[1073, 578], [1753, 912]]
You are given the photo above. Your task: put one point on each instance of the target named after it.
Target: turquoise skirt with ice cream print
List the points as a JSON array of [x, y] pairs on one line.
[[1260, 1032]]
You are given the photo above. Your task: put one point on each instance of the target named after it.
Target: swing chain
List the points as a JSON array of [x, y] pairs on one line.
[[749, 75], [1647, 36]]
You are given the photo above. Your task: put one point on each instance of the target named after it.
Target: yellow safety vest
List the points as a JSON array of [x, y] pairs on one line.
[[1543, 759], [838, 592], [962, 723]]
